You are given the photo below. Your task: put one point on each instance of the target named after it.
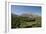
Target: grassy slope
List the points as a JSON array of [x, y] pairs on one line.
[[23, 22]]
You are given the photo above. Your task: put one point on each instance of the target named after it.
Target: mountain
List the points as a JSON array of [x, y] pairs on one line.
[[29, 15], [25, 20]]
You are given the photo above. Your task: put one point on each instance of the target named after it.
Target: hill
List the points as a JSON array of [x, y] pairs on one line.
[[25, 21]]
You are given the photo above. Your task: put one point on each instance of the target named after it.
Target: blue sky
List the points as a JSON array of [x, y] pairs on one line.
[[18, 9]]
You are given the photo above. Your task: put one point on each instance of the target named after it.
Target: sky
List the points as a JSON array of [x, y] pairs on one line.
[[19, 9]]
